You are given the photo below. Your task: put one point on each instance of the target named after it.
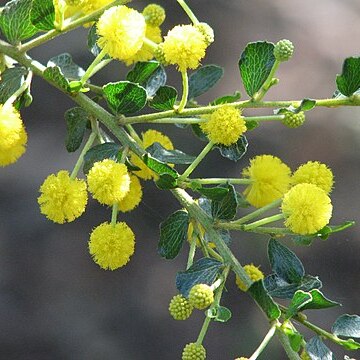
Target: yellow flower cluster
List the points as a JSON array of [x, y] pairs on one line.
[[184, 46], [307, 209], [148, 138], [121, 32], [133, 197], [13, 137], [108, 181], [270, 180], [225, 125], [255, 274], [111, 246], [62, 198]]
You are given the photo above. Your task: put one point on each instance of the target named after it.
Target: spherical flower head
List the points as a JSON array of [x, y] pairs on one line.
[[12, 154], [255, 274], [111, 246], [11, 127], [307, 209], [201, 296], [149, 137], [283, 50], [133, 197], [225, 125], [193, 351], [89, 6], [154, 14], [271, 179], [121, 32], [207, 32], [153, 33], [314, 172], [108, 181], [159, 54], [184, 46], [293, 120], [180, 308], [62, 199]]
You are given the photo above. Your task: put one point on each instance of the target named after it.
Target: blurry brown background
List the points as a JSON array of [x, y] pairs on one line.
[[55, 303]]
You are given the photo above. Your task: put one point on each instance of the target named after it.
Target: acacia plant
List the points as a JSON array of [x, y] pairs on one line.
[[269, 197]]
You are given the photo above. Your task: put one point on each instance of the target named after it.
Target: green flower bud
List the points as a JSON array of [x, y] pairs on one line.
[[154, 14], [180, 308], [159, 55], [201, 296], [193, 351], [283, 50], [293, 120], [207, 31]]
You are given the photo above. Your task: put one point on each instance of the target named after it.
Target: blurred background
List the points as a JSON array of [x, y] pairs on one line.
[[56, 303]]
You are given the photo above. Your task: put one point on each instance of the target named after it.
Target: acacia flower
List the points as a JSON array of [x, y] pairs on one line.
[[184, 46], [225, 125], [154, 14], [193, 351], [108, 181], [180, 308], [133, 197], [201, 296], [314, 172], [62, 199], [255, 274], [111, 246], [271, 179], [307, 209], [121, 32], [149, 137]]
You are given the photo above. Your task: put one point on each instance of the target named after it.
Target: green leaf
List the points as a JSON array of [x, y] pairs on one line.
[[319, 301], [155, 81], [10, 81], [213, 193], [317, 350], [166, 182], [350, 344], [299, 300], [55, 76], [42, 14], [15, 21], [278, 287], [158, 166], [204, 79], [226, 208], [347, 325], [173, 232], [236, 151], [124, 97], [76, 123], [67, 66], [330, 229], [295, 338], [303, 240], [100, 152], [255, 65], [198, 132], [142, 71], [92, 41], [285, 263], [169, 156], [251, 124], [164, 99], [203, 271], [226, 99], [264, 300], [306, 105], [219, 313], [349, 81]]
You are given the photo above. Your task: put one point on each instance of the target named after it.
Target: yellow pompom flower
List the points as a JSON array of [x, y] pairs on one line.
[[225, 125], [314, 172], [121, 32], [111, 246], [133, 197], [13, 137], [62, 199], [149, 137], [184, 46], [255, 274], [271, 179], [307, 209], [153, 33], [89, 6], [108, 181]]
